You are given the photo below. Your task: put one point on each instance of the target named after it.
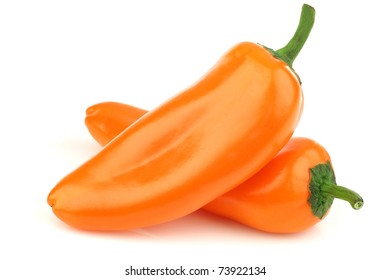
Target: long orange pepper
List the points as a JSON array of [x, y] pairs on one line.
[[193, 148], [294, 191]]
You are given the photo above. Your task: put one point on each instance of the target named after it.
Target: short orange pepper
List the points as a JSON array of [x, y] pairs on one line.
[[293, 192]]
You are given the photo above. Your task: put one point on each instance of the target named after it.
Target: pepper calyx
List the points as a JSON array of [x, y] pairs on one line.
[[320, 175], [291, 50], [323, 189]]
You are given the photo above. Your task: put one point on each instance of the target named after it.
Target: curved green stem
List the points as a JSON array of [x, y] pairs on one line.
[[324, 189], [289, 52], [343, 193]]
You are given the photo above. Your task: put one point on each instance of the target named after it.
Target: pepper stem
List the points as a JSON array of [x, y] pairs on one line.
[[324, 189], [289, 52], [343, 193]]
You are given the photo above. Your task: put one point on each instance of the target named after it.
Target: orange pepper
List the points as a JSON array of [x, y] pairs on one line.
[[110, 120], [291, 193], [195, 147], [107, 120]]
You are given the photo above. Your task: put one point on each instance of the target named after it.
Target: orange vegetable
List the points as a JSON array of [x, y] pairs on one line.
[[291, 193], [110, 119], [107, 120], [193, 148]]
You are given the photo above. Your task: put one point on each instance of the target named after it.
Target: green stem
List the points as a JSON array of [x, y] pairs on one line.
[[289, 52], [343, 193], [324, 189]]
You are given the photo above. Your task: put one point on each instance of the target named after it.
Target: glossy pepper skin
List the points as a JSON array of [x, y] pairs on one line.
[[291, 193], [195, 147], [276, 199], [190, 150], [99, 121]]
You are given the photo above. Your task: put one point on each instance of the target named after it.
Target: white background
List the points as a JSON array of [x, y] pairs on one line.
[[59, 57]]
